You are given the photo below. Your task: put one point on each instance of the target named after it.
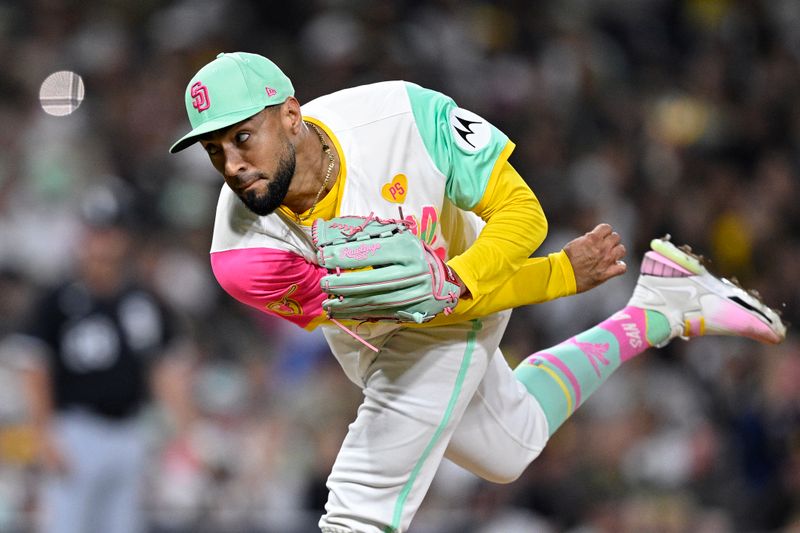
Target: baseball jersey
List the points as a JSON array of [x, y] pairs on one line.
[[99, 349], [405, 151]]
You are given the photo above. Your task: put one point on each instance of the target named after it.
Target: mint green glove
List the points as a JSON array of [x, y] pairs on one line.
[[381, 271]]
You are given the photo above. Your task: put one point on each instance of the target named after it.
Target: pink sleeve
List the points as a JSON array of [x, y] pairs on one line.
[[273, 281]]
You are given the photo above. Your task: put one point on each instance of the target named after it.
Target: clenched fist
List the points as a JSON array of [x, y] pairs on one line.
[[596, 257]]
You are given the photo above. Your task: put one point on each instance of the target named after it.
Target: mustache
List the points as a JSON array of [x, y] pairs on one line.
[[246, 178]]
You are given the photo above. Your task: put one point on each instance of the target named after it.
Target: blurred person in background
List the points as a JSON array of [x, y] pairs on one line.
[[86, 353]]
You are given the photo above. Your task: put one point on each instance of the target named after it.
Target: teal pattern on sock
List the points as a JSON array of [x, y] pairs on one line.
[[561, 378]]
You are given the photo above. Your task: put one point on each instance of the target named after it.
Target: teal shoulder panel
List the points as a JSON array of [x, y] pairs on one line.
[[463, 146]]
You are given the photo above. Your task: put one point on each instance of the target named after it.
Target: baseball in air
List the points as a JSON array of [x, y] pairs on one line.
[[61, 93]]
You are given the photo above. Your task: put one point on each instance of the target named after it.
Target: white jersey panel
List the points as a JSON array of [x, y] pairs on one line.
[[378, 119], [236, 227]]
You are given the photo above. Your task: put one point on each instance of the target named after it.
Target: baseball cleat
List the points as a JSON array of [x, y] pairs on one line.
[[675, 283]]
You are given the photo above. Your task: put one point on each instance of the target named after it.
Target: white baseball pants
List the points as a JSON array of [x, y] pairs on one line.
[[429, 393]]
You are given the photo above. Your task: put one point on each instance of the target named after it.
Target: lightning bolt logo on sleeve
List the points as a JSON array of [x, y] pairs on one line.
[[467, 130], [470, 131]]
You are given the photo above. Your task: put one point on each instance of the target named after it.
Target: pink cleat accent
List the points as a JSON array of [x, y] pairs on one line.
[[655, 264], [675, 283]]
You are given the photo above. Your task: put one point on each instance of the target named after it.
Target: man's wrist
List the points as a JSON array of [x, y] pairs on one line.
[[464, 291]]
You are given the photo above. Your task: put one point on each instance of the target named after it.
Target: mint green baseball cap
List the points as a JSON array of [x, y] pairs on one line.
[[233, 87]]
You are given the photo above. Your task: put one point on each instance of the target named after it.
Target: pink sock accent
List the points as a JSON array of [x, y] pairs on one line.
[[655, 264], [629, 326], [594, 352]]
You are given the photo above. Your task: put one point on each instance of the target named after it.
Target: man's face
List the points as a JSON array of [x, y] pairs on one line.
[[102, 256], [256, 159]]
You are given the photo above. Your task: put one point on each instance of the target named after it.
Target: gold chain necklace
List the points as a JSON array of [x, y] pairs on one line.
[[327, 150]]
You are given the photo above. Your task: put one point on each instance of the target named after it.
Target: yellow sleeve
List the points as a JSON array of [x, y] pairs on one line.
[[515, 227], [540, 279]]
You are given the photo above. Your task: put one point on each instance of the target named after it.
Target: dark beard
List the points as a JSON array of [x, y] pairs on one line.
[[277, 188]]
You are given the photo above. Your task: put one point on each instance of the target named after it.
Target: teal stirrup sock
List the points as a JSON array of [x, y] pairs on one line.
[[562, 377]]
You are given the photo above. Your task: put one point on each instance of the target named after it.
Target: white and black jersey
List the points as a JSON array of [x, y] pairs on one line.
[[100, 348]]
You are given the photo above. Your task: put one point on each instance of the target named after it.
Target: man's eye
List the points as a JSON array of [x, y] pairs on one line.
[[211, 149], [242, 137]]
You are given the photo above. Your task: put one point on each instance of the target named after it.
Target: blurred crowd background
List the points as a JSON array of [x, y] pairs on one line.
[[657, 116]]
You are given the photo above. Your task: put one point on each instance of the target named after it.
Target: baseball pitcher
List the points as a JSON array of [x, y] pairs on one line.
[[391, 218]]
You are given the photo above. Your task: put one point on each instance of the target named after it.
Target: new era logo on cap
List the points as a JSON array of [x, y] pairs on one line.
[[271, 92]]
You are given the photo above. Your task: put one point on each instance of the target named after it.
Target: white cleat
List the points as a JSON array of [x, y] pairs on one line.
[[674, 282]]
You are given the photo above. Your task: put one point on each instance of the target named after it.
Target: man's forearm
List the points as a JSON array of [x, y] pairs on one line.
[[515, 227], [540, 279]]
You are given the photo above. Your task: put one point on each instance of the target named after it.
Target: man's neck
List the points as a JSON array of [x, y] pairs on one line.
[[312, 164]]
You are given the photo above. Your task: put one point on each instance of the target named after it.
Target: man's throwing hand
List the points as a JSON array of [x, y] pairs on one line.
[[596, 257]]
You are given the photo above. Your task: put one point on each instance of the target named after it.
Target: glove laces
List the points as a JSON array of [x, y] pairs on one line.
[[353, 334], [410, 224]]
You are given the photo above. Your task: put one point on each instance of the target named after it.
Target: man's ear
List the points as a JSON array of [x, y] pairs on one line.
[[291, 115]]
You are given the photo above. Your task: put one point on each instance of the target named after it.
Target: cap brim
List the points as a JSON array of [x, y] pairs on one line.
[[213, 125]]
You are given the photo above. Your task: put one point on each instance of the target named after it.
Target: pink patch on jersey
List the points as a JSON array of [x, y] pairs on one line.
[[273, 281]]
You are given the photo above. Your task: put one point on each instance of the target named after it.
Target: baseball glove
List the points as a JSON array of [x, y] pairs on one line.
[[379, 270]]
